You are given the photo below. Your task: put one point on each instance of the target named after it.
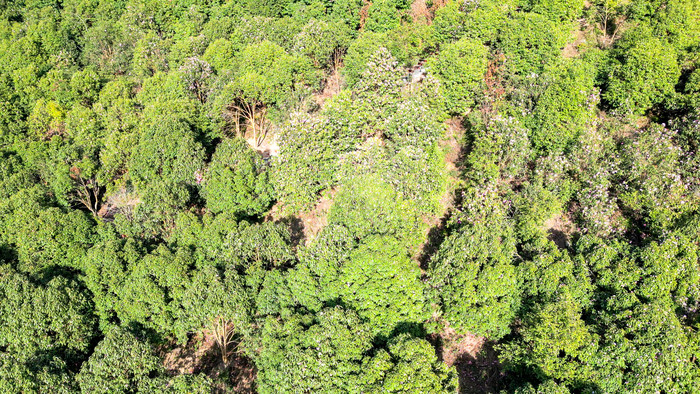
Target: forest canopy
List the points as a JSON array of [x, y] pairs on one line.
[[361, 196]]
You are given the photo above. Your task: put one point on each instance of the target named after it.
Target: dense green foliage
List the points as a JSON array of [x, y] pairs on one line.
[[348, 196]]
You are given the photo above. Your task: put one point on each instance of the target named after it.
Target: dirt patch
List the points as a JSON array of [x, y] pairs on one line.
[[474, 358], [622, 127], [201, 355], [305, 226], [295, 225], [317, 218], [457, 346], [559, 229], [364, 13], [454, 138], [420, 11], [269, 147], [571, 49], [331, 87]]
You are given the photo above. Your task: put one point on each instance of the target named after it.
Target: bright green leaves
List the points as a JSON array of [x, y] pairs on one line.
[[121, 363], [105, 270], [500, 149], [237, 181], [460, 67], [207, 296], [164, 169], [261, 245], [477, 293], [650, 184], [383, 285], [331, 351], [410, 365], [174, 291], [651, 350], [308, 161], [553, 274], [533, 207], [151, 283], [359, 52], [555, 343], [482, 21], [566, 107], [367, 206], [265, 78], [615, 327], [265, 73], [323, 42], [473, 278], [375, 130], [558, 10], [530, 41], [383, 15], [44, 236], [671, 268], [45, 328], [643, 73], [321, 353], [52, 318]]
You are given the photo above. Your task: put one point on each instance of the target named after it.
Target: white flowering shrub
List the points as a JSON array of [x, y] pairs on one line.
[[500, 149]]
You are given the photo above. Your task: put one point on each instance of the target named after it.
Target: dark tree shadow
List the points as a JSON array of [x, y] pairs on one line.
[[416, 330], [296, 230], [436, 236], [559, 238], [202, 355], [7, 254], [479, 374]]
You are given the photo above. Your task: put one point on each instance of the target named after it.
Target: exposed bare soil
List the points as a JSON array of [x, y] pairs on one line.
[[330, 89], [269, 147], [201, 355], [420, 11], [474, 358], [559, 229], [317, 218], [571, 49], [453, 143]]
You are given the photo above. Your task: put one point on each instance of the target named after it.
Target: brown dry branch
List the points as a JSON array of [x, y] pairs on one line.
[[88, 192], [222, 330]]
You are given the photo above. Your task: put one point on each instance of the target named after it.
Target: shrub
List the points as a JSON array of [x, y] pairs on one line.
[[558, 10], [460, 67], [481, 20], [472, 276], [565, 108], [366, 205], [643, 73], [359, 52], [500, 149], [237, 181], [530, 41]]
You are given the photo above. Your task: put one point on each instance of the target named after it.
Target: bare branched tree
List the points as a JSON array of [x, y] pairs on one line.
[[223, 331], [87, 192]]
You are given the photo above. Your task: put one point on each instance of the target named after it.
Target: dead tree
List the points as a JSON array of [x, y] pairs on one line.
[[223, 332], [255, 114], [87, 192]]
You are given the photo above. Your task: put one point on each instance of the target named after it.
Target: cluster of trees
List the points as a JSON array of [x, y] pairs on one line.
[[135, 209]]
